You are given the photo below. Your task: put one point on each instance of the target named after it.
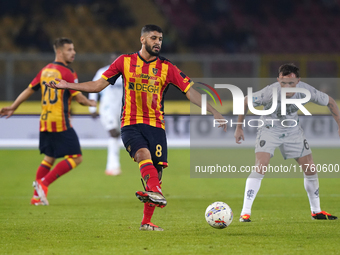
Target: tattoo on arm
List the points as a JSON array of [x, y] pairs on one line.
[[334, 110]]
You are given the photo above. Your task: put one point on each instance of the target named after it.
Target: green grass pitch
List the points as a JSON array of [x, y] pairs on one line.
[[91, 213]]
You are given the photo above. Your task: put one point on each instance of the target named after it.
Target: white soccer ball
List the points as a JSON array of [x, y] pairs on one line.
[[219, 215]]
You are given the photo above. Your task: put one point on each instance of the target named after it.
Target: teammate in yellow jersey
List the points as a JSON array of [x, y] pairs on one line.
[[146, 78], [57, 137]]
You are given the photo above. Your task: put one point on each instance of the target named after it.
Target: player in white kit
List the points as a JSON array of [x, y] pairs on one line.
[[110, 110], [289, 138]]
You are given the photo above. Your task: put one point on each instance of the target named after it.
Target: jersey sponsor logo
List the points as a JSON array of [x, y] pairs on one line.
[[145, 76], [143, 87], [50, 73]]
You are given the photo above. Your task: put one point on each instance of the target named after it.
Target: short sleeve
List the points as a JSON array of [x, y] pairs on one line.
[[262, 97], [318, 97], [35, 83], [114, 70], [74, 80], [179, 79]]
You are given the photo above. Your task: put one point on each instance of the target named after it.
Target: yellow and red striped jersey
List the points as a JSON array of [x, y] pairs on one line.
[[55, 103], [145, 84]]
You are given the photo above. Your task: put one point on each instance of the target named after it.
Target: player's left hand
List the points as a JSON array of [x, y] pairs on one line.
[[219, 118], [239, 135]]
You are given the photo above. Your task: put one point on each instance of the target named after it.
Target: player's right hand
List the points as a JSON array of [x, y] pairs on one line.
[[93, 103], [239, 135], [6, 111], [62, 84]]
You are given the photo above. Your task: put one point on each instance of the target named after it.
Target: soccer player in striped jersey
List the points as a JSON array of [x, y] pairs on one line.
[[57, 137], [146, 77]]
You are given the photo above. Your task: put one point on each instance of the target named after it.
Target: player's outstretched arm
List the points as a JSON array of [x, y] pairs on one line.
[[195, 98], [83, 100], [89, 86], [239, 135], [8, 111], [334, 109]]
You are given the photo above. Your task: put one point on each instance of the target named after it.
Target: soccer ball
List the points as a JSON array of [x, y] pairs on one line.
[[219, 215]]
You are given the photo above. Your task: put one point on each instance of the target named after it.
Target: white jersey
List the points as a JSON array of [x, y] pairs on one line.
[[111, 94], [110, 101], [265, 96]]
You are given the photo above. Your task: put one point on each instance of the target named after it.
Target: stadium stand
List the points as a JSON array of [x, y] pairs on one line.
[[261, 26], [303, 32], [231, 26]]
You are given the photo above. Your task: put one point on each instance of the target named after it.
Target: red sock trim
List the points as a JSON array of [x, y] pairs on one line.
[[150, 176], [42, 171], [60, 169]]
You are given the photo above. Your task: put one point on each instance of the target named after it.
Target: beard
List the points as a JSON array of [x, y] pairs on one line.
[[150, 51], [68, 58]]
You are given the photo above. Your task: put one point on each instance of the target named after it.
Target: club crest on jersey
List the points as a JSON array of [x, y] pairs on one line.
[[155, 71], [262, 143]]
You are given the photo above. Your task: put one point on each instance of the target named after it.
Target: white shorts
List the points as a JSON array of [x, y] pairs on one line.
[[110, 114], [291, 144]]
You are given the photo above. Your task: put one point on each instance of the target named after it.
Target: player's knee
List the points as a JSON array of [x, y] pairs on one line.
[[114, 133], [49, 160], [262, 159], [78, 160], [142, 154]]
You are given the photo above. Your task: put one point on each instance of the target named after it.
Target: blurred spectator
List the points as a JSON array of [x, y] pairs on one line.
[[169, 44], [332, 5], [112, 13], [284, 10], [33, 35], [9, 7]]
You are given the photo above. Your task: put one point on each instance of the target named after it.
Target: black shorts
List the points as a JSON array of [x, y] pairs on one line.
[[59, 144], [140, 136]]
